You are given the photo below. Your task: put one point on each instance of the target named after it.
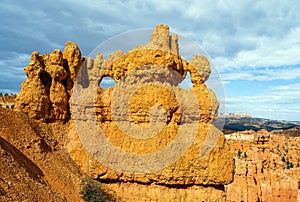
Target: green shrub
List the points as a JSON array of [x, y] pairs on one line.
[[91, 191]]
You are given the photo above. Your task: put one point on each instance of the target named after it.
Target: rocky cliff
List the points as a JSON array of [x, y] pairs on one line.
[[181, 150]]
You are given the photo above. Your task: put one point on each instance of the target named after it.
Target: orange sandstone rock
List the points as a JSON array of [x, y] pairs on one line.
[[206, 162], [46, 91]]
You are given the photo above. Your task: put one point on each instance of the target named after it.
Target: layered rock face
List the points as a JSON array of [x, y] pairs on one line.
[[267, 167], [147, 79], [46, 91]]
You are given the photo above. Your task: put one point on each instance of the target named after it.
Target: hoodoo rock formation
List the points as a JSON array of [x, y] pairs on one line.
[[201, 171], [47, 89], [168, 116]]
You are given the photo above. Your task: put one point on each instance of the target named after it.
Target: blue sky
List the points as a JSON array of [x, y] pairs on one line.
[[254, 45]]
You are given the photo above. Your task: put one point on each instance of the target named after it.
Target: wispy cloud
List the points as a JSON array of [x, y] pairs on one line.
[[262, 74], [276, 95], [278, 101], [270, 52]]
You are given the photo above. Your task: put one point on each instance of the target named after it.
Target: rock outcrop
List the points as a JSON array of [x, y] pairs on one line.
[[47, 89], [148, 76]]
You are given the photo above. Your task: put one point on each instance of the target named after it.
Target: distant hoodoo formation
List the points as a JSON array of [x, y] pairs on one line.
[[55, 81]]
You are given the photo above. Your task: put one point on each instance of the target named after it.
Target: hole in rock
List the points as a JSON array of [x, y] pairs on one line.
[[186, 83], [107, 82], [46, 80]]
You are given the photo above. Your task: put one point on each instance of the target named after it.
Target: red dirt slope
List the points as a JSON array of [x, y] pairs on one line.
[[33, 165]]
